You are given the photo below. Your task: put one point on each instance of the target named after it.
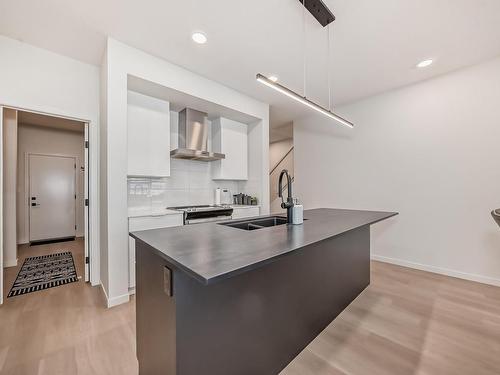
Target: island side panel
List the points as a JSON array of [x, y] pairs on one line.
[[155, 315], [257, 322]]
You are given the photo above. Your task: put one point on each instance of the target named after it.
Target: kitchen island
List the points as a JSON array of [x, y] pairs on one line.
[[214, 299]]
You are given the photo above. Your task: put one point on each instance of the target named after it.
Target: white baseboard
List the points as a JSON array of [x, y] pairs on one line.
[[442, 271], [105, 294], [115, 301], [9, 263]]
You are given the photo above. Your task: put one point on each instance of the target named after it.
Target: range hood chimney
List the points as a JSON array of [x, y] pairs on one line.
[[193, 137]]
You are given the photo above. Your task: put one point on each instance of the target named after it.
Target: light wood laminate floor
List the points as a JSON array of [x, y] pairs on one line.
[[64, 330], [406, 322]]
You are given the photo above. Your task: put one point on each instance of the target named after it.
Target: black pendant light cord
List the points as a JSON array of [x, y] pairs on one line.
[[328, 68]]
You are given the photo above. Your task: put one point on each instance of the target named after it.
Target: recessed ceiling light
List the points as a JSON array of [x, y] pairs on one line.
[[423, 64], [273, 78], [199, 37]]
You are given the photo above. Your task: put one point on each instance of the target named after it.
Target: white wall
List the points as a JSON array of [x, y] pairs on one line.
[[44, 140], [9, 187], [121, 61], [257, 184], [428, 151], [103, 172], [39, 80]]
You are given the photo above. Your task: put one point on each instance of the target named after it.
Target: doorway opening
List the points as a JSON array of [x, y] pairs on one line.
[[45, 211], [280, 157]]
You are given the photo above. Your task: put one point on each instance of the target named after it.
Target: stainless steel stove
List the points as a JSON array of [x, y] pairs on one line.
[[204, 213]]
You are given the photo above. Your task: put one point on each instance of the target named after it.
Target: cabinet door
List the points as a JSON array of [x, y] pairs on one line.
[[131, 265], [148, 136], [230, 138], [136, 224]]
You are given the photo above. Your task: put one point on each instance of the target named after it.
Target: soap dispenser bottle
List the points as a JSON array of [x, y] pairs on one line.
[[297, 212]]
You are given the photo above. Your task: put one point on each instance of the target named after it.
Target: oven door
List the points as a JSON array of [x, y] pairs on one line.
[[207, 216]]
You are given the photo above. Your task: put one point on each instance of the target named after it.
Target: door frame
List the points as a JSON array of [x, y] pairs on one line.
[[27, 183], [93, 193], [86, 206], [1, 205]]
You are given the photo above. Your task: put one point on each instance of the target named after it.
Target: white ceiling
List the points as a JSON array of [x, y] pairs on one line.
[[37, 119], [180, 100], [281, 132], [376, 44]]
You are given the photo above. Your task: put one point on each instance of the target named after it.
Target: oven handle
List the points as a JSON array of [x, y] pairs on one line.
[[207, 220]]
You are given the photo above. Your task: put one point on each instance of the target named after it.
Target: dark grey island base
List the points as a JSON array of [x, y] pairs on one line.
[[217, 300]]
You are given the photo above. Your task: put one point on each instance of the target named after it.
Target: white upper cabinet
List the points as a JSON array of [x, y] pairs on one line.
[[230, 138], [148, 127]]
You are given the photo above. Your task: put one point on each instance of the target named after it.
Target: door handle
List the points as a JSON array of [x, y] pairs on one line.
[[35, 204]]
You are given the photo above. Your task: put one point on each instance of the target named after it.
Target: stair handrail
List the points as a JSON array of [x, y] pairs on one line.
[[281, 160]]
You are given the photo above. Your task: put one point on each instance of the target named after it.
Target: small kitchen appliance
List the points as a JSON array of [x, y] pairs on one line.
[[225, 196]]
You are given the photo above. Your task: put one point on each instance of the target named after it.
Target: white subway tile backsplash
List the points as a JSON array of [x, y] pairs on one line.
[[158, 189], [190, 183], [178, 180], [199, 166], [201, 196], [177, 198], [179, 164], [139, 193], [199, 180]]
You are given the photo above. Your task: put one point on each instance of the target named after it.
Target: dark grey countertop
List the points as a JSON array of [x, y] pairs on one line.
[[210, 252]]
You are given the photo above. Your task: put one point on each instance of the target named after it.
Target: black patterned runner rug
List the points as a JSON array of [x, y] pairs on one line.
[[43, 272]]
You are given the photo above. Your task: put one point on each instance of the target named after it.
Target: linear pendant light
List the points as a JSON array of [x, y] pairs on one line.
[[324, 17], [302, 99]]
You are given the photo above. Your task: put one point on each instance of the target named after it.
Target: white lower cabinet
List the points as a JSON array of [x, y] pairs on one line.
[[243, 212], [144, 223]]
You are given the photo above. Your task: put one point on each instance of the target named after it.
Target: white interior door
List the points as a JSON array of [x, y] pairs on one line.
[[52, 197], [86, 204]]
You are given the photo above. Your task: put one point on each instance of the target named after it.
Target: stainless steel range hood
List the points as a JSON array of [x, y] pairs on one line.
[[193, 137]]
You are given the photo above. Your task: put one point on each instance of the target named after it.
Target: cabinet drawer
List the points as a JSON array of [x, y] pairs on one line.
[[153, 222]]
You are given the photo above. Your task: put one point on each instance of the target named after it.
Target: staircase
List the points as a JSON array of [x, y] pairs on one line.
[[286, 162]]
